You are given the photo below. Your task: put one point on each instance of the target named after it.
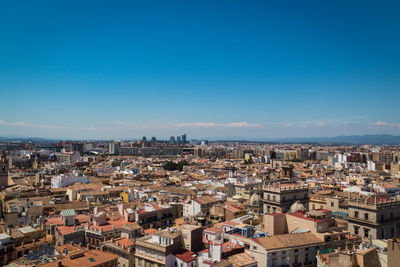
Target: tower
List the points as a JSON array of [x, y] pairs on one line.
[[3, 170]]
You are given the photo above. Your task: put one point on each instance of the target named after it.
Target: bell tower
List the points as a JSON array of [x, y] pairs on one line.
[[3, 170]]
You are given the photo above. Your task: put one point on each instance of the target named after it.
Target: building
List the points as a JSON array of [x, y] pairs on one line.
[[279, 196], [124, 248], [376, 217], [91, 258], [3, 170], [350, 257], [64, 180], [152, 215], [199, 206], [157, 249], [191, 234], [114, 148], [286, 250], [318, 222], [184, 139]]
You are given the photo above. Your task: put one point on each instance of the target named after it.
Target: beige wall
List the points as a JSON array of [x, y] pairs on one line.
[[275, 224]]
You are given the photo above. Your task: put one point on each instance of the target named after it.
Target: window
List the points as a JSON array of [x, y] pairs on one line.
[[366, 216], [332, 204], [140, 262], [366, 232], [274, 198], [356, 230], [296, 250], [382, 217], [296, 259], [356, 214]]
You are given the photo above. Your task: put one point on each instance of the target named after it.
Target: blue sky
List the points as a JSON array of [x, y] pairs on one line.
[[232, 69]]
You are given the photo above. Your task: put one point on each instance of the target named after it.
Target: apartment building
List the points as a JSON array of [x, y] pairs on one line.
[[376, 217], [157, 249], [153, 215]]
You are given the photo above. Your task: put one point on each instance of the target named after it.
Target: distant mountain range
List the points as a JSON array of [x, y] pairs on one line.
[[370, 139], [374, 139]]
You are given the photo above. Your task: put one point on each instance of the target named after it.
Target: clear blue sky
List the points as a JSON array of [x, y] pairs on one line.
[[253, 69]]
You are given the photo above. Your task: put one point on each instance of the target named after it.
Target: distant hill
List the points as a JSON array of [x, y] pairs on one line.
[[25, 139], [371, 139]]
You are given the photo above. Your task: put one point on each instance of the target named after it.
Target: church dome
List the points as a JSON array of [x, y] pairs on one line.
[[255, 200], [297, 206]]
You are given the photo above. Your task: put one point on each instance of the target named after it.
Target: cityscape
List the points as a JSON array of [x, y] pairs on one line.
[[200, 133]]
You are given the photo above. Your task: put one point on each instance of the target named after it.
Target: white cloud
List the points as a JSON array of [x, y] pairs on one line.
[[27, 124], [241, 124], [288, 125], [380, 123]]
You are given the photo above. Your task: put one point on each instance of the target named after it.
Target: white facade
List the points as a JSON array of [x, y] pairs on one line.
[[64, 180], [191, 208]]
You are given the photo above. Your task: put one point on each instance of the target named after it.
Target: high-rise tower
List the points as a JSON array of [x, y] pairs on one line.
[[3, 170]]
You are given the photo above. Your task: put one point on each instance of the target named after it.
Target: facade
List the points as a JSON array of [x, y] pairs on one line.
[[152, 215], [191, 234], [64, 180], [278, 196], [286, 250], [157, 249], [375, 217], [124, 248], [199, 206], [114, 148]]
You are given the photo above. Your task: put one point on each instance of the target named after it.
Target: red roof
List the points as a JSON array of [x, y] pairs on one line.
[[124, 242], [229, 246], [150, 231], [184, 255]]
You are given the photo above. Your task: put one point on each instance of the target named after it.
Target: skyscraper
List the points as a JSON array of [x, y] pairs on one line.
[[3, 170], [114, 148], [172, 140], [184, 139]]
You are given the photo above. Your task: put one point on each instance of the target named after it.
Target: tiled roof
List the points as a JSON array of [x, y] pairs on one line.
[[184, 255], [287, 240]]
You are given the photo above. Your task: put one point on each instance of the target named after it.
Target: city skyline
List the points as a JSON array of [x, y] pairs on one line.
[[257, 70]]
